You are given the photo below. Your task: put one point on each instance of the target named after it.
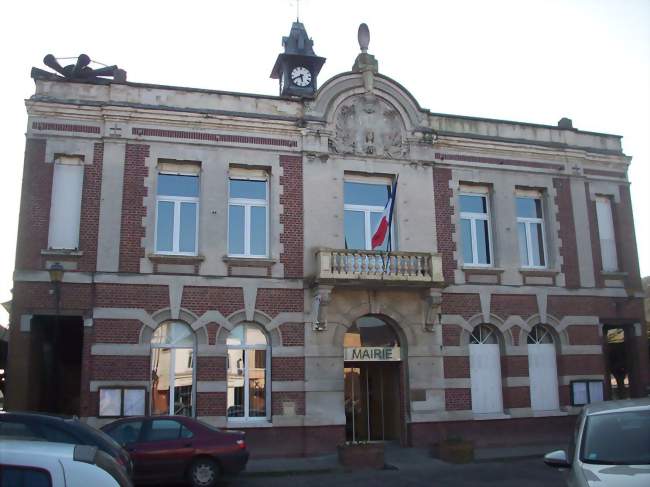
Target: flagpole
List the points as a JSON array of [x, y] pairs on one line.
[[390, 225]]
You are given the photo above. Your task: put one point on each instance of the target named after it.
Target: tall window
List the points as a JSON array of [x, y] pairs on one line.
[[530, 229], [606, 233], [65, 208], [248, 362], [248, 218], [485, 370], [364, 204], [172, 370], [177, 213], [475, 229]]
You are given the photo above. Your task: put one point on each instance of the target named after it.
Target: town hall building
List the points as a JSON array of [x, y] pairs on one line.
[[208, 253]]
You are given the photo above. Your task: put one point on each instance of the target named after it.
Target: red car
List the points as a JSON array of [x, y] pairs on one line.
[[176, 448]]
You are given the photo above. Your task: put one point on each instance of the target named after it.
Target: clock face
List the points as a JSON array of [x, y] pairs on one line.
[[300, 76]]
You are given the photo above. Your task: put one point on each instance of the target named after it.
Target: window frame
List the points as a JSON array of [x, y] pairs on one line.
[[122, 390], [528, 221], [177, 201], [172, 370], [367, 210], [61, 173], [599, 201], [473, 217], [249, 203], [246, 418]]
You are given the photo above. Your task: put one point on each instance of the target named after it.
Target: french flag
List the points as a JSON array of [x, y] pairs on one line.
[[383, 227]]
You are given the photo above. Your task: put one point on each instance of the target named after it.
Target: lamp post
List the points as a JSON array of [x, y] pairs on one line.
[[56, 271]]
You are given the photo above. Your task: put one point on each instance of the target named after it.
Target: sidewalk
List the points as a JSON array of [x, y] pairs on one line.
[[396, 458]]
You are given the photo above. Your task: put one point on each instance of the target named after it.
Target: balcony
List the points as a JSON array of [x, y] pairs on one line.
[[401, 268]]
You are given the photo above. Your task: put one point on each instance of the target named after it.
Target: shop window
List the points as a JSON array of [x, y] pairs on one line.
[[475, 227], [121, 401], [249, 358], [606, 233], [172, 373], [530, 230], [65, 208], [365, 199], [248, 216], [177, 213]]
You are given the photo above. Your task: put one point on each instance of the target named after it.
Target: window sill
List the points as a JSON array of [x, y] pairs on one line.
[[261, 423], [249, 261], [538, 272], [613, 274], [62, 253], [175, 258], [479, 269], [533, 276], [482, 274]]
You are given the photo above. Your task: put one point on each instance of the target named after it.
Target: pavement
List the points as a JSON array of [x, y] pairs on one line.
[[503, 467]]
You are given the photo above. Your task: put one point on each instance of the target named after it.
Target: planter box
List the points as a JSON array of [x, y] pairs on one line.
[[454, 451], [362, 455]]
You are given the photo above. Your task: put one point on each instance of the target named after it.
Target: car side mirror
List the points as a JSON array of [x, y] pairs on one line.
[[557, 459]]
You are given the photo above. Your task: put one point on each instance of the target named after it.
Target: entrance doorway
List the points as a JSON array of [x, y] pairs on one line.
[[372, 372], [56, 355], [372, 409]]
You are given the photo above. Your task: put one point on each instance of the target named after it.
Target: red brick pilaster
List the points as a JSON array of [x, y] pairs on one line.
[[292, 215], [567, 232], [133, 210], [90, 201], [442, 194], [628, 256]]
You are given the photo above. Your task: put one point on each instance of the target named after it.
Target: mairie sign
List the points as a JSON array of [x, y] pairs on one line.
[[372, 354]]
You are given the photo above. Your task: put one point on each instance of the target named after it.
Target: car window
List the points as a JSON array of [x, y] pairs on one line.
[[96, 437], [185, 432], [162, 430], [54, 434], [619, 438], [24, 477], [14, 429], [126, 433]]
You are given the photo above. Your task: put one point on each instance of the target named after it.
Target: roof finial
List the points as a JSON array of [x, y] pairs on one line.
[[364, 37]]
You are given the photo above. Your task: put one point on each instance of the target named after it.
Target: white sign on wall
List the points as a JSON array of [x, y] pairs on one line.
[[372, 354]]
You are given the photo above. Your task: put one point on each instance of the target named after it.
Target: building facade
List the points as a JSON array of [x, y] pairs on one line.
[[208, 253]]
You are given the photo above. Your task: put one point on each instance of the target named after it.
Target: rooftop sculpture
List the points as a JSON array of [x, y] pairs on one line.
[[80, 71]]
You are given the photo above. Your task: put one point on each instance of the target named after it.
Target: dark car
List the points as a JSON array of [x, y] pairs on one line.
[[60, 429], [176, 448]]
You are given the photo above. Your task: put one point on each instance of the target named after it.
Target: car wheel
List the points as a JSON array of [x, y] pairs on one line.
[[204, 473]]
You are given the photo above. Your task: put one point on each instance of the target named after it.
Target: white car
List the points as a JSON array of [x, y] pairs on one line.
[[610, 447], [47, 464]]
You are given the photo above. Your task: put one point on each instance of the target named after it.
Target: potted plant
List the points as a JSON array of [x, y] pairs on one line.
[[454, 449], [359, 455]]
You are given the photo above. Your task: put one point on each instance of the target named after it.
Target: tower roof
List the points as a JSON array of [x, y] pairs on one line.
[[298, 42]]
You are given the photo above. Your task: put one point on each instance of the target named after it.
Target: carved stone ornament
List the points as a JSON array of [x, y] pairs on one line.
[[369, 126]]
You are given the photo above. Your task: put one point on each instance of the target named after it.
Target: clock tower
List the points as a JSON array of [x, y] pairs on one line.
[[298, 66]]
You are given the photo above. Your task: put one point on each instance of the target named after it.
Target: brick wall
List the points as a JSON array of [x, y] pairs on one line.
[[210, 403], [505, 305], [210, 368], [567, 232], [584, 335], [291, 218], [442, 194], [89, 220], [514, 366], [274, 301], [293, 334], [604, 307], [39, 297], [458, 399], [456, 367], [581, 364], [466, 305], [288, 368], [35, 202], [279, 398], [626, 239], [151, 298], [116, 368], [117, 331], [451, 335], [133, 210], [516, 397], [200, 299]]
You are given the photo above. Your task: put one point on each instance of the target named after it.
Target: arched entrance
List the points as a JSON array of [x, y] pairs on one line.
[[372, 381]]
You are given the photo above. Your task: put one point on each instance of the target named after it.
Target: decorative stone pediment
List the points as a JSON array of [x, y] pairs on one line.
[[368, 125]]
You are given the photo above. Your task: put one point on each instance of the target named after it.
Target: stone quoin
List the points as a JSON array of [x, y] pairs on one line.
[[217, 261]]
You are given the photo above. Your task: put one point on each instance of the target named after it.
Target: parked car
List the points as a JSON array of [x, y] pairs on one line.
[[610, 447], [46, 427], [47, 464], [176, 448]]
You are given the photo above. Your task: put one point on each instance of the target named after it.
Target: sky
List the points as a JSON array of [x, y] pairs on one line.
[[525, 60]]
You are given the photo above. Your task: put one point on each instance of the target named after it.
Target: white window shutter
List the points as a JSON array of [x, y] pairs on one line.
[[606, 234], [65, 209]]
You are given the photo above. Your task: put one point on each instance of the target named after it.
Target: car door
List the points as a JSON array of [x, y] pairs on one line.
[[127, 434], [165, 449]]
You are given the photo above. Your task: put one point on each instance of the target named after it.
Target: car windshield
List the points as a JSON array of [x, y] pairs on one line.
[[617, 439]]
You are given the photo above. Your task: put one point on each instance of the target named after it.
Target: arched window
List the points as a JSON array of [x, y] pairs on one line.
[[542, 370], [370, 331], [249, 361], [485, 370], [172, 369]]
